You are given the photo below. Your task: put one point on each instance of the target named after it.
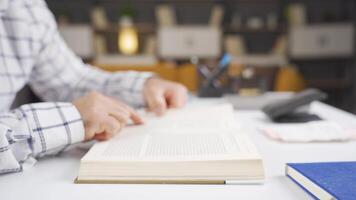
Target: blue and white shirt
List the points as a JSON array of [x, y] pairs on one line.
[[32, 52]]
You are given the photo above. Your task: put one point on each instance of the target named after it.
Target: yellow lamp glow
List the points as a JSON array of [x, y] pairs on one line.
[[127, 37]]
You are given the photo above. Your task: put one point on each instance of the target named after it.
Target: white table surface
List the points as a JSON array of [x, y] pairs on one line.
[[52, 177]]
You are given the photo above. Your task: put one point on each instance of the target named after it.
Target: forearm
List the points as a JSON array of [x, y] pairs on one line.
[[126, 86], [35, 130], [62, 76]]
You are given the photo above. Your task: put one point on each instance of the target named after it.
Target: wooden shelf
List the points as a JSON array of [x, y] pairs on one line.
[[199, 1], [151, 28], [141, 28], [264, 30], [318, 59], [329, 84]]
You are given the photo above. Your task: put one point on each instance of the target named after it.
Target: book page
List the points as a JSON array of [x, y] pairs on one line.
[[191, 134], [165, 145]]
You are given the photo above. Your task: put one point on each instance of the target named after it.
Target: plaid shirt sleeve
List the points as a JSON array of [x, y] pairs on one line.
[[31, 50], [35, 130], [59, 75]]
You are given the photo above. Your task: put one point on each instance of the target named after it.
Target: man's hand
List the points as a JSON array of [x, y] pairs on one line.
[[161, 95], [103, 117]]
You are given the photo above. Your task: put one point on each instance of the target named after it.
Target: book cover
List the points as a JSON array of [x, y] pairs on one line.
[[336, 178]]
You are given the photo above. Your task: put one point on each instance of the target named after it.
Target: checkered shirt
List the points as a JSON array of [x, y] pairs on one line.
[[32, 52]]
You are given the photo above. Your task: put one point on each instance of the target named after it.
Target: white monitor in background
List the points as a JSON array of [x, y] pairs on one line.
[[183, 42], [79, 38], [322, 41]]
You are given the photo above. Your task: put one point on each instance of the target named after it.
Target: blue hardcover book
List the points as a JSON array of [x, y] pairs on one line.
[[328, 180]]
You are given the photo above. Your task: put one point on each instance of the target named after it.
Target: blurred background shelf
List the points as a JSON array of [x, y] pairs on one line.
[[333, 74]]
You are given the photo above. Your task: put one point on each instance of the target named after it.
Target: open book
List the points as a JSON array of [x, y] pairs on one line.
[[190, 145]]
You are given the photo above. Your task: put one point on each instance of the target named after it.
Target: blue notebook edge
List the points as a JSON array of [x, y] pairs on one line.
[[302, 187], [292, 165]]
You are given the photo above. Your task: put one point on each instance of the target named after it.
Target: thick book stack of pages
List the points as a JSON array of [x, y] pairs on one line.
[[189, 145]]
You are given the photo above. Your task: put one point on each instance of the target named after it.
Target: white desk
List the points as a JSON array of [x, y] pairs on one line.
[[52, 178]]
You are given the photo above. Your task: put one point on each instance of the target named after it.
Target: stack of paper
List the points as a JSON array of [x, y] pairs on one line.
[[319, 131]]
